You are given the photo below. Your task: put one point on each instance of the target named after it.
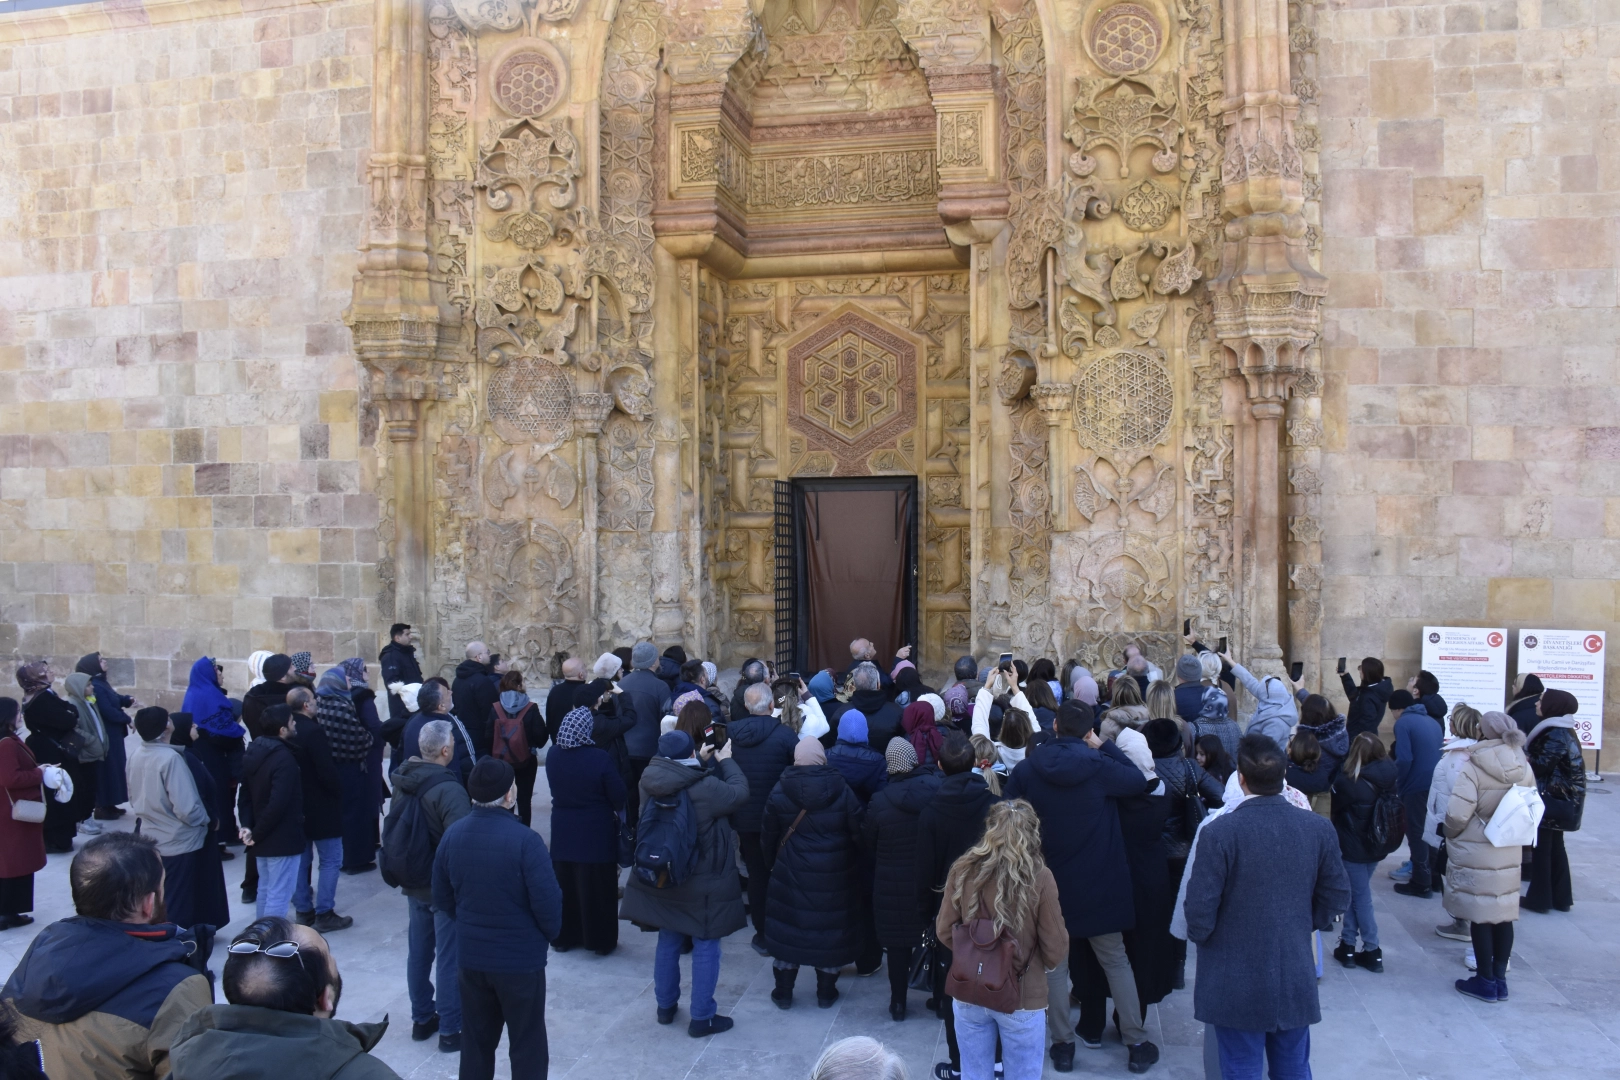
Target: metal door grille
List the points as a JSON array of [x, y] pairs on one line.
[[787, 577]]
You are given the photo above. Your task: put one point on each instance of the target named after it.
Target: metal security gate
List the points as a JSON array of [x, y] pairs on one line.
[[787, 577]]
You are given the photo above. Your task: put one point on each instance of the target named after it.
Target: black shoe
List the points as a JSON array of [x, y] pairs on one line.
[[13, 921], [366, 869], [897, 1010], [1501, 989], [714, 1025], [107, 813], [758, 945], [250, 896], [1090, 1042], [1371, 959], [1063, 1057], [1144, 1055], [58, 849], [425, 1030], [1406, 888], [225, 856], [328, 921], [307, 918], [946, 1071], [450, 1044], [667, 1016], [1345, 954], [826, 989], [783, 994]]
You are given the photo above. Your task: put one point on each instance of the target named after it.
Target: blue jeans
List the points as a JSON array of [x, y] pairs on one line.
[[1245, 1054], [331, 853], [705, 972], [1417, 808], [1023, 1042], [1359, 915], [433, 932], [277, 878]]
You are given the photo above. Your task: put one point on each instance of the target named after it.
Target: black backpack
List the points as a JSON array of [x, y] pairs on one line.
[[666, 841], [1388, 823], [406, 861]]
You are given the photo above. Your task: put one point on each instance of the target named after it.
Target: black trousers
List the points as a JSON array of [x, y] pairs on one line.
[[515, 1000], [590, 906], [899, 972], [946, 1012], [1493, 948], [525, 774], [1550, 885], [759, 878], [359, 815], [638, 765]]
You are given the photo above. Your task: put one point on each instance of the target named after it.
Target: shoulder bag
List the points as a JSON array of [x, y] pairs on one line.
[[1516, 818], [29, 810]]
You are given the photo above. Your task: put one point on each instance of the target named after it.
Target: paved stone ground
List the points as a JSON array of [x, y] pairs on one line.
[[1408, 1022]]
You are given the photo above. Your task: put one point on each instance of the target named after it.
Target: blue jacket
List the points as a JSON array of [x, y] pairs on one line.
[[493, 875], [762, 747], [587, 793], [863, 769], [410, 745], [1417, 749], [1073, 788]]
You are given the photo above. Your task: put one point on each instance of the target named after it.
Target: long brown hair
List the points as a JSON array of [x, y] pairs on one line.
[[1364, 750], [1009, 856], [1126, 691], [692, 719]]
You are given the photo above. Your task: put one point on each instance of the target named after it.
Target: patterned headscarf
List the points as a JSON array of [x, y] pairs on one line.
[[355, 669], [334, 709], [575, 729], [900, 757], [680, 702], [303, 664], [957, 703], [33, 678]]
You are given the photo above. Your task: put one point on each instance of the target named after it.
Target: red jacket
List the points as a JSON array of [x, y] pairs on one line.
[[22, 843]]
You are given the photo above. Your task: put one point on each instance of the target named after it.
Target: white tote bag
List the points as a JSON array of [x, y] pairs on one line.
[[1516, 819]]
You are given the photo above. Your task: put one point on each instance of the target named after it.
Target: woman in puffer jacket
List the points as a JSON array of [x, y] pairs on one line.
[[1482, 880], [1554, 751], [1317, 716], [1367, 774], [1463, 734]]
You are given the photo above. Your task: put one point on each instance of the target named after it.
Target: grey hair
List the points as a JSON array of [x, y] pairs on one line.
[[866, 676], [1211, 663], [474, 648], [429, 698], [859, 1058], [433, 738], [754, 669], [1137, 665], [757, 699]]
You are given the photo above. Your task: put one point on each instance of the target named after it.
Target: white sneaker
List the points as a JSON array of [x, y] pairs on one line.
[[1402, 873], [89, 827], [1473, 965]]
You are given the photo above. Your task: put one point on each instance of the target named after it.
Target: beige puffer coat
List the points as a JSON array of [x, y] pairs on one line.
[[1482, 880]]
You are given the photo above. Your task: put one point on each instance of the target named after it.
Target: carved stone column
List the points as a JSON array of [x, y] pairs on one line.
[[394, 318], [1267, 294], [1056, 402], [590, 413]]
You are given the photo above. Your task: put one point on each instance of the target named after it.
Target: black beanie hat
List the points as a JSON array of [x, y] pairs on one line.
[[277, 666], [491, 779], [151, 721]]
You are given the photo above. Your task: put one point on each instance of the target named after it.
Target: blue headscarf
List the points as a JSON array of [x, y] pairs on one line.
[[821, 685], [852, 726], [210, 709], [335, 683]]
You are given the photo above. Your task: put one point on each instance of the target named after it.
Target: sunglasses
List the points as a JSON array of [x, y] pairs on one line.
[[281, 950]]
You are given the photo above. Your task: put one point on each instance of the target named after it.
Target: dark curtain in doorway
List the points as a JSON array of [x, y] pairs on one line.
[[857, 553]]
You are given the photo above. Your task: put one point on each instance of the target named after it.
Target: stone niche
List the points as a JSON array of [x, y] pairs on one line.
[[628, 268]]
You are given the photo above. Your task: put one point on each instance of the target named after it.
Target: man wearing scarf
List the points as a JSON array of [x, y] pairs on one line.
[[113, 788]]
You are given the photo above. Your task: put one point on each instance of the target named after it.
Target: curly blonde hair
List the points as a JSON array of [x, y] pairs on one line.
[[1008, 855]]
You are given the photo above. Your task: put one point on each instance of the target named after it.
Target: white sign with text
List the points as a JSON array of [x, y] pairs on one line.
[[1470, 662], [1570, 660]]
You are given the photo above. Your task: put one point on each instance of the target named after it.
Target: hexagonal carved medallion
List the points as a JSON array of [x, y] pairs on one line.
[[852, 386]]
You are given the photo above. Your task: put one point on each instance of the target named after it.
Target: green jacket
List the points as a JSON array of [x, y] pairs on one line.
[[245, 1042], [444, 804]]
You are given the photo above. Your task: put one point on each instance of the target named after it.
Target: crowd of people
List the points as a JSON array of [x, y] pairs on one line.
[[1091, 822]]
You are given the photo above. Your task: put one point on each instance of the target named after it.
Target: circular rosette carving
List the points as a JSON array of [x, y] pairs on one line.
[[1124, 401], [531, 401], [1126, 39], [530, 80], [1146, 207]]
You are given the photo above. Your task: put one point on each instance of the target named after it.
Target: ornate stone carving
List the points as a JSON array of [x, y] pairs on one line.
[[1176, 273], [1115, 581], [512, 14], [530, 80], [1122, 114], [960, 138], [1125, 39], [1305, 432], [528, 157], [1017, 376], [627, 476], [1035, 219], [852, 385], [1123, 403], [881, 177], [1305, 480], [1146, 207], [709, 156], [945, 33], [1304, 529], [629, 78]]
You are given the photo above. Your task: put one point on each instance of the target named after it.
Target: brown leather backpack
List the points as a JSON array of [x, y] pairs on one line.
[[985, 967]]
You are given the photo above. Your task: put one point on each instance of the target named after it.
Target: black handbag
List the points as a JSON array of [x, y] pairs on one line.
[[627, 841], [924, 960]]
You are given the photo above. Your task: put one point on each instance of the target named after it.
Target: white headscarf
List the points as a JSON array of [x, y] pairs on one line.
[[256, 661], [607, 666], [938, 704], [1135, 746]]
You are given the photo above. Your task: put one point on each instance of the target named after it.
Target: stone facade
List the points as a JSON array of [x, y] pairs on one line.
[[506, 318]]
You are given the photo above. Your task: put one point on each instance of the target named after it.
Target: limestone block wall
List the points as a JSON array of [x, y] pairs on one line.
[[1471, 174], [180, 468]]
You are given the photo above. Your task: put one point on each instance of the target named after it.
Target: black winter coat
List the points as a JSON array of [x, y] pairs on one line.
[[318, 775], [811, 913], [473, 696], [882, 717], [708, 904], [1523, 712], [1367, 704], [865, 770], [399, 665], [947, 827], [258, 699], [559, 700], [1334, 740], [271, 799], [1183, 774], [1072, 788], [1352, 811], [50, 720], [762, 746], [645, 695], [889, 840], [1555, 758]]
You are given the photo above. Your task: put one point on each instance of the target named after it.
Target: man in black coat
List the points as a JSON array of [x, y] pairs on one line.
[[560, 698], [950, 824], [112, 787], [882, 715], [431, 700], [1071, 782], [270, 808], [399, 665], [762, 747], [889, 842], [476, 690], [753, 671], [323, 817], [1263, 876], [646, 696]]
